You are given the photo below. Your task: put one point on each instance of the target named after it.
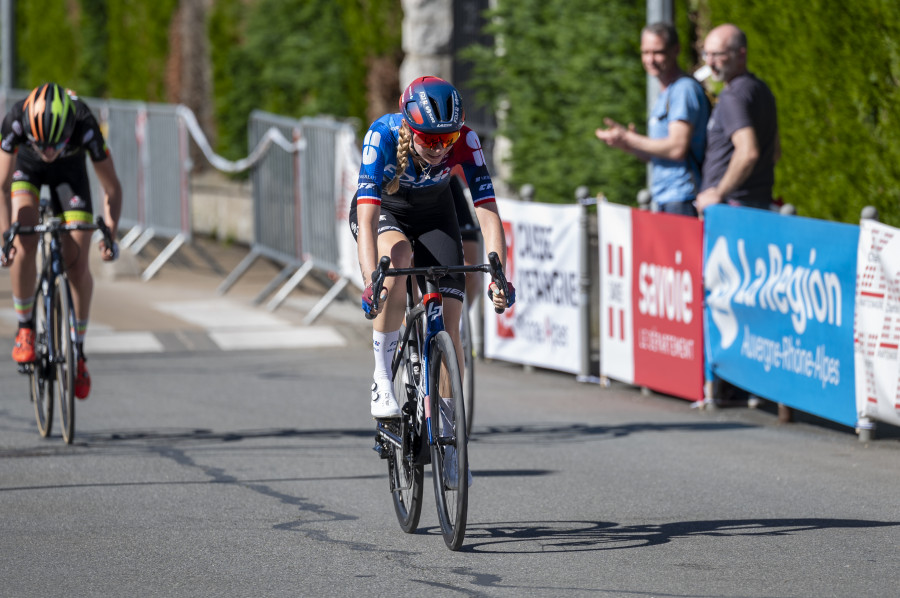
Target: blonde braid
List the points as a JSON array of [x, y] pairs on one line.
[[402, 158]]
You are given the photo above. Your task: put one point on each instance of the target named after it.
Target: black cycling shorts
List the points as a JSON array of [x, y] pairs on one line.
[[67, 178], [428, 219]]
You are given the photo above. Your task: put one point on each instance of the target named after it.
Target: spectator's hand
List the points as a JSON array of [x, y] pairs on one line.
[[706, 198], [615, 134]]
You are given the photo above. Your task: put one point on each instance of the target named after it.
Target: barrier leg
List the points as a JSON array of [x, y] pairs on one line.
[[163, 257], [282, 276], [238, 272], [290, 285], [865, 428], [325, 301], [141, 242], [131, 236]]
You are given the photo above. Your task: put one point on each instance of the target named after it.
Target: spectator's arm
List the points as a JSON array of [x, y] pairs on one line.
[[743, 159], [673, 147]]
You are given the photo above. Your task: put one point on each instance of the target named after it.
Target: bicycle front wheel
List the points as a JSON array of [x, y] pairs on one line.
[[62, 331], [41, 374], [405, 471], [449, 454], [468, 347]]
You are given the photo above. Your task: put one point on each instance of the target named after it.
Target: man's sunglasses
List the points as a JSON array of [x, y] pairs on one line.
[[439, 140]]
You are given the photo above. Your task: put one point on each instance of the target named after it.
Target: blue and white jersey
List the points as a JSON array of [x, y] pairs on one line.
[[379, 163]]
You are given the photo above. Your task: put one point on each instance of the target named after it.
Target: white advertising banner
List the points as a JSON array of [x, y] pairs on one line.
[[544, 264], [876, 337], [616, 317]]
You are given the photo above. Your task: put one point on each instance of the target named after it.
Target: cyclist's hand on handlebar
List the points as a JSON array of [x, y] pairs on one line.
[[109, 254], [499, 298], [368, 301], [7, 250]]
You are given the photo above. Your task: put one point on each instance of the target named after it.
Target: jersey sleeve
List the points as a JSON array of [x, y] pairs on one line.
[[87, 133], [378, 146], [11, 133], [474, 167], [684, 101]]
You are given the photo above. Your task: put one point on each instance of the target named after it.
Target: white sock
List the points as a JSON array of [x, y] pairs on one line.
[[383, 345]]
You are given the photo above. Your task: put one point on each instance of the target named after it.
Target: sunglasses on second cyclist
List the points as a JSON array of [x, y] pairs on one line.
[[46, 147], [441, 140]]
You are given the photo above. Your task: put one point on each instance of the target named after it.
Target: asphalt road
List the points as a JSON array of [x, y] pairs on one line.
[[203, 467]]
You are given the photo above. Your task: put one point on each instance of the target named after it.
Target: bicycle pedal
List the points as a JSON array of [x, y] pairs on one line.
[[26, 368]]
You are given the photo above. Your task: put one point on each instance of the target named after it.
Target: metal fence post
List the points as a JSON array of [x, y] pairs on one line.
[[865, 427], [583, 198]]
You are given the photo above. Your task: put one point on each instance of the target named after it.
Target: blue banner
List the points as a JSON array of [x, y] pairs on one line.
[[780, 294]]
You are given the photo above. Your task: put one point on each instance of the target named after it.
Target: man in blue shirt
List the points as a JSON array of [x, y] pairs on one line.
[[676, 139]]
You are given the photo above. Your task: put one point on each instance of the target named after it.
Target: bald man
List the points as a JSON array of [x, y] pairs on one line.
[[742, 143]]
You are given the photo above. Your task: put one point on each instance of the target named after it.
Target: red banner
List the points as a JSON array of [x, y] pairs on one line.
[[667, 293]]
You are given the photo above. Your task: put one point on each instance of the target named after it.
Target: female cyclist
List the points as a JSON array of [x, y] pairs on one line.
[[43, 141], [404, 204]]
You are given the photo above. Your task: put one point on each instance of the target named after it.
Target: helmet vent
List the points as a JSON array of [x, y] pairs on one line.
[[437, 110]]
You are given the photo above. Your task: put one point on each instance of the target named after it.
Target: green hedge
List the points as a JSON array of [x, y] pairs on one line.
[[835, 70], [555, 83]]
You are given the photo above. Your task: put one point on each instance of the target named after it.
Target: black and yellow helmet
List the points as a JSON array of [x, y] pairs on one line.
[[49, 117]]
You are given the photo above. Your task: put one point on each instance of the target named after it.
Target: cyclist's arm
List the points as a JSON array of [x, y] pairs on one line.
[[367, 239], [7, 165], [112, 188], [492, 229]]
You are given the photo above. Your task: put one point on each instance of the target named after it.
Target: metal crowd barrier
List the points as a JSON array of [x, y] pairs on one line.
[[295, 195]]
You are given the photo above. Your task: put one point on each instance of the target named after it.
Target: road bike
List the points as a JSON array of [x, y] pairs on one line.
[[53, 370], [431, 426]]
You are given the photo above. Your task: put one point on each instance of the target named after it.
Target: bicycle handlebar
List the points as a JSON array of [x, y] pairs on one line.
[[54, 224], [494, 268]]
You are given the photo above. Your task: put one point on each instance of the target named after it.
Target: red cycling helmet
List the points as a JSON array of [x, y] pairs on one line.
[[432, 106]]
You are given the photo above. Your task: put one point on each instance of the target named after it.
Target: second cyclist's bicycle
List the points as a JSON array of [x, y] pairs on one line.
[[52, 373], [432, 423]]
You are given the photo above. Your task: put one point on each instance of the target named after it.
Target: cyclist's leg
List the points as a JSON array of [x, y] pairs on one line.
[[23, 270], [70, 197]]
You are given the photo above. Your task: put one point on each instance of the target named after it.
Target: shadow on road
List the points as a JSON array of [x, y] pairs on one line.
[[580, 536], [553, 433]]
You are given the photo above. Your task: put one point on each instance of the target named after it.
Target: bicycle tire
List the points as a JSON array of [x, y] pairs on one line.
[[452, 503], [465, 337], [40, 376], [62, 337], [405, 473]]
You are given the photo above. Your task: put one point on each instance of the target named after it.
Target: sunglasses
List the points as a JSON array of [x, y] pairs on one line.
[[439, 140], [45, 147]]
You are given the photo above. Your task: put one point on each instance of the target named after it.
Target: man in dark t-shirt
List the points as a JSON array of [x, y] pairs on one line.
[[742, 143]]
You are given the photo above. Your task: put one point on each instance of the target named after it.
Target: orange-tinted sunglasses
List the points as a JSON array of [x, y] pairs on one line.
[[439, 140]]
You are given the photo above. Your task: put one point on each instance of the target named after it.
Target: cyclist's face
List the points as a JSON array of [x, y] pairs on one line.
[[432, 154], [48, 153]]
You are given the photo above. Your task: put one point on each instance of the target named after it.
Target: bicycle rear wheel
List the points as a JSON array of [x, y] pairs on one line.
[[40, 376], [405, 471], [468, 347], [449, 436], [62, 330]]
